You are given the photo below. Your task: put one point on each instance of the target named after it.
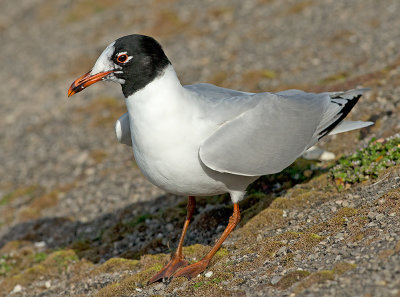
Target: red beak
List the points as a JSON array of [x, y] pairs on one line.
[[86, 80]]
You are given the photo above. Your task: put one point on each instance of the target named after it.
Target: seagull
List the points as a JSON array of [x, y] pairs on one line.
[[204, 140]]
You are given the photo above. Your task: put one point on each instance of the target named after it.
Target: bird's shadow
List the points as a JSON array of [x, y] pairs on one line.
[[154, 226]]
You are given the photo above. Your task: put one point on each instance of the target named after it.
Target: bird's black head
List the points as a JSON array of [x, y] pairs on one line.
[[133, 61]]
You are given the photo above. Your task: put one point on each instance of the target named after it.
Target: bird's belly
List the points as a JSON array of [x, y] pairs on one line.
[[179, 172], [167, 154]]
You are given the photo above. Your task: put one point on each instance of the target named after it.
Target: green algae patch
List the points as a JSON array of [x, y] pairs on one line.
[[291, 278], [116, 265]]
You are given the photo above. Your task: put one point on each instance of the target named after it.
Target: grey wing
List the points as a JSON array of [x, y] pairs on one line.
[[270, 136], [122, 130], [214, 92], [220, 105]]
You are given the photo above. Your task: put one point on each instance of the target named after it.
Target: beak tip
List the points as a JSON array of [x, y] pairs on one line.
[[70, 92]]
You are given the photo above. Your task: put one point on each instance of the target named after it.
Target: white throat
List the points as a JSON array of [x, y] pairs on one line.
[[160, 96]]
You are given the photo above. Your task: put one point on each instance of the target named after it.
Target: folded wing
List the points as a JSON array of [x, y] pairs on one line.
[[270, 136]]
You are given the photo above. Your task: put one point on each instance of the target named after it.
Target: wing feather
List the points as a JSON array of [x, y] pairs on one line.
[[266, 138], [122, 130]]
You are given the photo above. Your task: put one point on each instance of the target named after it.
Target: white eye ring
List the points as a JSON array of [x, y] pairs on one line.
[[123, 57]]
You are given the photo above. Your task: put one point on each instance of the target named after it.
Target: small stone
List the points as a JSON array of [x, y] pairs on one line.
[[40, 244], [17, 289], [138, 289], [281, 251], [372, 215], [90, 171], [169, 227], [47, 284], [339, 236], [275, 279], [208, 274], [327, 156], [158, 286]]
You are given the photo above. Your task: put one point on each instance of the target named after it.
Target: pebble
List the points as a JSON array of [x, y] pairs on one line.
[[282, 251], [208, 274], [339, 236], [275, 279], [40, 244], [17, 289]]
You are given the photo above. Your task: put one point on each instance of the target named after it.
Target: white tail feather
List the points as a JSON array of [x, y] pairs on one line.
[[348, 126]]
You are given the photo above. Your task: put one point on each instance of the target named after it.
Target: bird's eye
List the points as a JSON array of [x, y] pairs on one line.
[[122, 58]]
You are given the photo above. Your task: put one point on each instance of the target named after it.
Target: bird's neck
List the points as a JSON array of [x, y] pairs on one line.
[[162, 95]]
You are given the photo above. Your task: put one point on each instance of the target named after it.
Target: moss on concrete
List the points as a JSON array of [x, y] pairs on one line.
[[116, 265], [19, 192], [291, 278], [269, 217], [314, 278], [323, 276], [307, 241], [343, 267], [150, 264]]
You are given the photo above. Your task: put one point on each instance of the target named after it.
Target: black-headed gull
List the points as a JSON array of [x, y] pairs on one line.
[[201, 140]]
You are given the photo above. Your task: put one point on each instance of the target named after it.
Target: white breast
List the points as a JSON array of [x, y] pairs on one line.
[[166, 136]]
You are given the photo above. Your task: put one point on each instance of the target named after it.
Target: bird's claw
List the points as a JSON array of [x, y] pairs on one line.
[[192, 270], [168, 270]]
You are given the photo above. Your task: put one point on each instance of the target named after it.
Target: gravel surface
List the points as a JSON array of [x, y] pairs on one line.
[[66, 185]]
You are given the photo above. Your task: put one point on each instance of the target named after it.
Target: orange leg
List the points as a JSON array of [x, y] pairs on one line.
[[198, 267], [177, 259]]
